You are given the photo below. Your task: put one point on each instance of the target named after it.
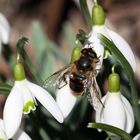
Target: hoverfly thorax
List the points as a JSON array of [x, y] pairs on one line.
[[85, 62]]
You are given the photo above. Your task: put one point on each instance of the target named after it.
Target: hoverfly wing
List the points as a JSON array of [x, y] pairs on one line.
[[54, 78], [94, 95]]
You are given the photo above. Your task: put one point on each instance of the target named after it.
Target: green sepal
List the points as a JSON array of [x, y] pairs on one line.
[[76, 53], [19, 72], [98, 15], [114, 83], [30, 105], [107, 53]]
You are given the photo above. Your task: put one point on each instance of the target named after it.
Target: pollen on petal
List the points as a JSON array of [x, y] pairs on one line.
[[28, 107]]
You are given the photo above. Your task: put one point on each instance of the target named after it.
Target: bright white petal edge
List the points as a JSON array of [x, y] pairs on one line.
[[46, 100], [124, 47], [65, 100], [4, 29], [13, 111], [21, 135]]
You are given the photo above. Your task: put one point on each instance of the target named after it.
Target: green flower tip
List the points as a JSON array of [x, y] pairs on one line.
[[1, 139], [19, 72], [114, 82], [76, 53], [30, 105], [98, 15]]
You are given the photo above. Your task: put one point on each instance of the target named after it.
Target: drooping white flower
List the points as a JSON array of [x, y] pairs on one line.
[[121, 44], [19, 135], [4, 30], [117, 111], [22, 99], [100, 28]]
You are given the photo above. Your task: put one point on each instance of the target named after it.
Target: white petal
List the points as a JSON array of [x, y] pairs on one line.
[[95, 42], [130, 115], [13, 111], [115, 138], [113, 112], [21, 135], [100, 111], [46, 100], [28, 98], [4, 29], [65, 100], [137, 137], [2, 132], [98, 115], [124, 47]]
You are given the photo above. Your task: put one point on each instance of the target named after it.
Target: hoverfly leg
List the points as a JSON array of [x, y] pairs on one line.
[[62, 81]]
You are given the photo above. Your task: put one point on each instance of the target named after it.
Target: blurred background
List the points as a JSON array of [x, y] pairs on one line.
[[51, 27]]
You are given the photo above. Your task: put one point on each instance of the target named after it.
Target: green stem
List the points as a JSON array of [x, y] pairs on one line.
[[128, 69], [84, 8], [112, 129]]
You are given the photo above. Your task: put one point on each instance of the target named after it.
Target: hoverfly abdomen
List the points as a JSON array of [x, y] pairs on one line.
[[77, 83]]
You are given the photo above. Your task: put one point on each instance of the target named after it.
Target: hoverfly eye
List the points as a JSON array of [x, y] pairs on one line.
[[85, 52]]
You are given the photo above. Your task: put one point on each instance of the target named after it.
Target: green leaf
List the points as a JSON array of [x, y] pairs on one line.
[[112, 129], [129, 72], [41, 40], [69, 34], [5, 89], [21, 42], [84, 8]]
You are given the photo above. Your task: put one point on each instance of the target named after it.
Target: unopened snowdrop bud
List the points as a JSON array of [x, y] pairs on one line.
[[76, 52], [117, 111], [98, 19]]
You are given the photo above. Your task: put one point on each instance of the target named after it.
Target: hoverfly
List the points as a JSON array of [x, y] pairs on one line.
[[81, 77]]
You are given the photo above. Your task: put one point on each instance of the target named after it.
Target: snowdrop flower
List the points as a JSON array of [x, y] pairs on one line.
[[4, 30], [99, 27], [117, 111], [22, 99], [19, 135]]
